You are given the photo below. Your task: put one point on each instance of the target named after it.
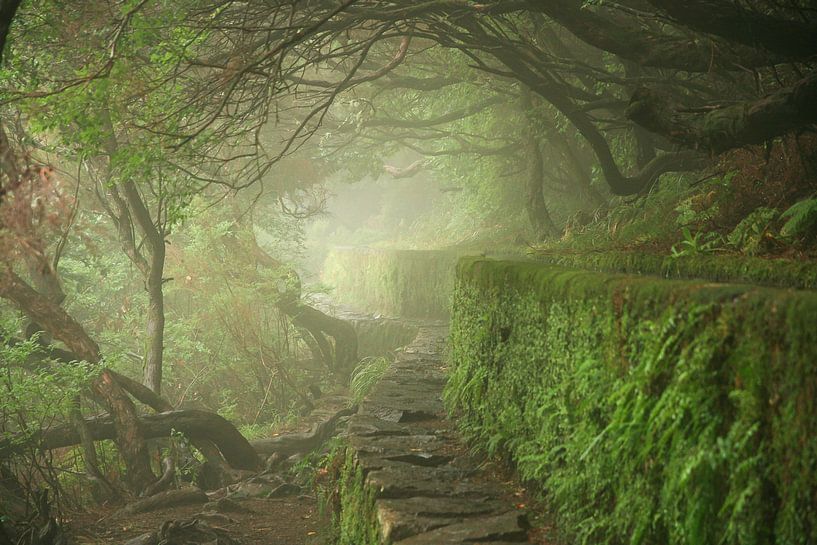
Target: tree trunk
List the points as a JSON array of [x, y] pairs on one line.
[[581, 174], [155, 330], [7, 10], [534, 187], [538, 213], [159, 404], [303, 316], [101, 489], [55, 320], [638, 43], [133, 212], [553, 92], [790, 38], [316, 322], [129, 436], [644, 149], [49, 315], [719, 129]]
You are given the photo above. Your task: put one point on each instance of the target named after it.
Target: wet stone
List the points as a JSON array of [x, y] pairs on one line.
[[508, 528], [427, 489], [404, 518], [397, 445], [421, 459], [366, 425]]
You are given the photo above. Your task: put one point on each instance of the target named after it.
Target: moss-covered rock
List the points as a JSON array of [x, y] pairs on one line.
[[356, 516], [648, 410], [405, 283]]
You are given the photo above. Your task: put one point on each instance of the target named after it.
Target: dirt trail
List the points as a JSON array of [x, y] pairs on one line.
[[284, 521], [273, 507]]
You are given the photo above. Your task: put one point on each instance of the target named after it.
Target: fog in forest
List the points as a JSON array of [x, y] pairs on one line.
[[270, 268]]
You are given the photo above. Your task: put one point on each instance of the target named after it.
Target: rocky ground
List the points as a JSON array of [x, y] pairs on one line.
[[429, 489]]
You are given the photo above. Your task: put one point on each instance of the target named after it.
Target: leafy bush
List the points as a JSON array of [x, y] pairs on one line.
[[38, 393]]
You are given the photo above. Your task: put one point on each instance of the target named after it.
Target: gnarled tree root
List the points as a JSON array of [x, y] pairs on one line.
[[170, 498]]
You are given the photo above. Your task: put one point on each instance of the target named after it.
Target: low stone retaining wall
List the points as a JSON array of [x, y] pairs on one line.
[[648, 410], [404, 283]]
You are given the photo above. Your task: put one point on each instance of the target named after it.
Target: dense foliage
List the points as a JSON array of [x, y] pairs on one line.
[[650, 411], [165, 172]]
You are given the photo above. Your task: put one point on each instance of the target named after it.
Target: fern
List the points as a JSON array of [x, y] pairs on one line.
[[801, 219], [366, 375], [697, 243], [749, 235], [641, 409]]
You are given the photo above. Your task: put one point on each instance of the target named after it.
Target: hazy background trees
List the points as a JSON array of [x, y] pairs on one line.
[[174, 171]]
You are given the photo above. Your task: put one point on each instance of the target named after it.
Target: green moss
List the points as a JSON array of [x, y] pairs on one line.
[[651, 411], [354, 518], [405, 283], [717, 268]]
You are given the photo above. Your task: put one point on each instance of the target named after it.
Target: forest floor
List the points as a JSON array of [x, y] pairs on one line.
[[279, 521], [296, 519]]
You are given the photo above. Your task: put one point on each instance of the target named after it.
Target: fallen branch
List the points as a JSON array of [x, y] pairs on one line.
[[194, 424]]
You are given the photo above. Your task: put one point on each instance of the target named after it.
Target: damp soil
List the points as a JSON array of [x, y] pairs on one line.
[[280, 521]]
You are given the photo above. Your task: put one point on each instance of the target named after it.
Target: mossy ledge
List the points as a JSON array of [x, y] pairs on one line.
[[787, 273], [404, 283], [649, 410]]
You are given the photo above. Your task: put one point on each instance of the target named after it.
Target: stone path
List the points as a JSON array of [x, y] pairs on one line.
[[428, 490]]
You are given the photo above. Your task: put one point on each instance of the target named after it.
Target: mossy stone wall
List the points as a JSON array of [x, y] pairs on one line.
[[404, 283], [648, 411], [354, 518], [382, 336]]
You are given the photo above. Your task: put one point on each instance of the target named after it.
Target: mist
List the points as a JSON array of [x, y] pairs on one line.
[[357, 272]]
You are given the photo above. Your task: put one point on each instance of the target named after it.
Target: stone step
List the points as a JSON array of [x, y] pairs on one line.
[[428, 490]]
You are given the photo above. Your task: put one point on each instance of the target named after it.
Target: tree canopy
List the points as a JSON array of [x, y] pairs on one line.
[[162, 163]]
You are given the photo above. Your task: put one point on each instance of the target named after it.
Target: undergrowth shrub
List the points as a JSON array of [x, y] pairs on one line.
[[37, 393], [649, 411], [737, 199], [773, 176]]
